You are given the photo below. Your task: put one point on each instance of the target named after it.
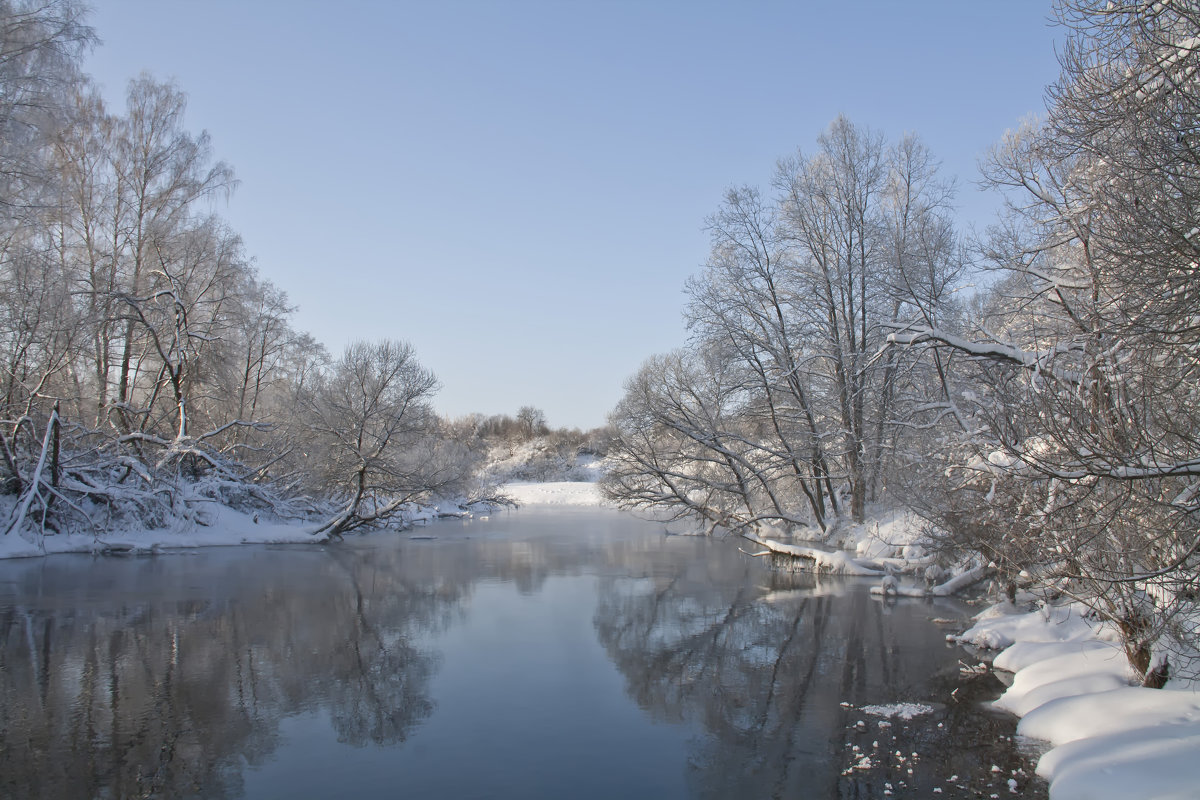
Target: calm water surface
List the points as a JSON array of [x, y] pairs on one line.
[[564, 654]]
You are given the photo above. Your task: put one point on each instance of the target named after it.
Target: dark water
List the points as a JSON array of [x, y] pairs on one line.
[[566, 654]]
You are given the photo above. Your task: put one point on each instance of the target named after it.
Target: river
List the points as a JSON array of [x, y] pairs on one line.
[[575, 653]]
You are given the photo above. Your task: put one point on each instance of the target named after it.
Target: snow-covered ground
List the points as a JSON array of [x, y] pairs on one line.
[[1072, 689], [554, 493], [225, 526], [571, 482]]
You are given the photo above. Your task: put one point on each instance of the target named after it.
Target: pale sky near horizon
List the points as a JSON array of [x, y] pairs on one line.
[[519, 188]]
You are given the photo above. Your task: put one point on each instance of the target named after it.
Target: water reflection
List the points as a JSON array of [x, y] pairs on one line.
[[189, 675], [162, 676], [776, 669]]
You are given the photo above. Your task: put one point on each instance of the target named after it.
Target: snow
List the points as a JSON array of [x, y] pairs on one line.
[[1072, 688], [554, 493], [539, 473], [899, 710], [1001, 459], [1002, 625], [225, 526], [216, 525], [1151, 764], [1074, 672], [834, 561]]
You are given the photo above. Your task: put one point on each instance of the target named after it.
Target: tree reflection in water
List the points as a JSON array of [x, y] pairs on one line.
[[774, 669], [172, 676], [109, 692]]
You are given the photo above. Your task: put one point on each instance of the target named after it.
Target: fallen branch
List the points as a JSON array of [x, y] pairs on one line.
[[35, 480], [831, 560], [756, 555], [890, 586]]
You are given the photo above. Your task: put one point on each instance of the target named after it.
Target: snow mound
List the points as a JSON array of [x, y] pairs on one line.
[[1111, 740], [1128, 710], [1157, 762], [1002, 625]]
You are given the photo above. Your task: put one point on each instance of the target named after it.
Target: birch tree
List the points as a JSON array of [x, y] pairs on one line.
[[830, 210], [162, 171]]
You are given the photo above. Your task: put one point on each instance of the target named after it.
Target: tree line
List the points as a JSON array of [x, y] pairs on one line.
[[1031, 392], [146, 368]]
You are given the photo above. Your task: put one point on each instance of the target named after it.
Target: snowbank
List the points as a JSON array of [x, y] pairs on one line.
[[1072, 688], [554, 493], [208, 525], [225, 526], [887, 545]]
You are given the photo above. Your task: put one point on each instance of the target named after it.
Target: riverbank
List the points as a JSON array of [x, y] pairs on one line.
[[1072, 687], [212, 525], [221, 526], [216, 525]]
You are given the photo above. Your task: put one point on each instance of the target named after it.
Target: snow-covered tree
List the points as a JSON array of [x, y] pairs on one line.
[[373, 440], [143, 361], [783, 402], [1078, 450]]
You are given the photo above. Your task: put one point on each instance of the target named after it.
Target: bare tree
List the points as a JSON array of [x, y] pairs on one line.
[[1085, 455], [532, 421], [783, 402], [371, 432], [746, 301], [161, 172], [830, 210], [679, 448]]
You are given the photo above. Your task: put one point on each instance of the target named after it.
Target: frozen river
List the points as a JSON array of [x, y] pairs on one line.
[[537, 654]]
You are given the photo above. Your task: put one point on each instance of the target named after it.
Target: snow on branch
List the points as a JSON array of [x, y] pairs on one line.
[[1038, 361], [834, 561]]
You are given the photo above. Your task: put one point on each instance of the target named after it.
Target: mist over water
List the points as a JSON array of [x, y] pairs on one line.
[[576, 653]]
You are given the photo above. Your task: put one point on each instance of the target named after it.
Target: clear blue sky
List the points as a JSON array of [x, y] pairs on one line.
[[519, 188]]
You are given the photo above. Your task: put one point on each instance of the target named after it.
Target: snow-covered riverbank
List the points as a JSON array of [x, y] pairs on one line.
[[554, 493], [221, 526], [1072, 688]]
